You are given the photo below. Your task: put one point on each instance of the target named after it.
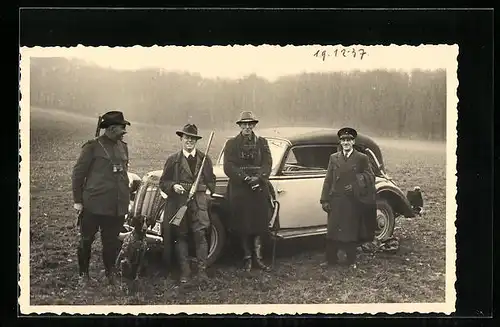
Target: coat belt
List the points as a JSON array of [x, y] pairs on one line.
[[250, 168], [187, 186]]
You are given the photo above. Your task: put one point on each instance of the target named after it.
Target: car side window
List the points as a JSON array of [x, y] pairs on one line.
[[303, 160]]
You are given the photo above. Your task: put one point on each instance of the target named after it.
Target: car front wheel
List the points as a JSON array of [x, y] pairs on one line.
[[385, 220]]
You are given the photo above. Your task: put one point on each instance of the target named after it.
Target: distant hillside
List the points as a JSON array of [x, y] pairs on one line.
[[392, 104]]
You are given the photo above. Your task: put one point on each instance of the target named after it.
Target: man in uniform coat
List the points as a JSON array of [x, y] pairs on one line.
[[179, 173], [101, 192], [247, 163], [348, 196]]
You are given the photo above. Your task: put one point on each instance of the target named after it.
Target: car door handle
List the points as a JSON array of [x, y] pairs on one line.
[[280, 191]]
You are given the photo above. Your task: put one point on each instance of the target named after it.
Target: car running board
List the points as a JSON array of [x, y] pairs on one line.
[[303, 232]]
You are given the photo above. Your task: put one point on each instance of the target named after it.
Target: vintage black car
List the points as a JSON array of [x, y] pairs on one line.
[[300, 159]]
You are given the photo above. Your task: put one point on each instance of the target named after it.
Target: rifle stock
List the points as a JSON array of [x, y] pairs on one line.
[[179, 215]]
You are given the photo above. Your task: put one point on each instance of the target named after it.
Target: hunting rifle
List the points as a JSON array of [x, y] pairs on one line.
[[179, 215]]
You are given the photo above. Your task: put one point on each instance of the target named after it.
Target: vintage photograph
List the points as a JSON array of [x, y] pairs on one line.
[[238, 179]]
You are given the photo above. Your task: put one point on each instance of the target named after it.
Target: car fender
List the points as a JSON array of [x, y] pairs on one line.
[[396, 198]]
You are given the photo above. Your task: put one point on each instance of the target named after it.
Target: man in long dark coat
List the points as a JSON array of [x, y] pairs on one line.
[[179, 174], [247, 163], [348, 196], [101, 193]]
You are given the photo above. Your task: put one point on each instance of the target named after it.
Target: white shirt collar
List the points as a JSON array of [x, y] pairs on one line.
[[348, 154], [186, 154]]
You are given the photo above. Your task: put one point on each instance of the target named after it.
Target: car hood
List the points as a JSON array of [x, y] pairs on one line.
[[219, 172]]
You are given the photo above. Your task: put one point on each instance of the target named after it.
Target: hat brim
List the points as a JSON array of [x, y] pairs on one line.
[[255, 121], [347, 137], [181, 133], [105, 124]]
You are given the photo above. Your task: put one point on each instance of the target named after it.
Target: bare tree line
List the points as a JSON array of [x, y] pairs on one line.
[[388, 103]]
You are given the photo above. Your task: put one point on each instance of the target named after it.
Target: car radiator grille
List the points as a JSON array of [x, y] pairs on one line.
[[148, 200]]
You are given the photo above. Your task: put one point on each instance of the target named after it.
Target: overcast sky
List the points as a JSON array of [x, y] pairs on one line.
[[266, 61]]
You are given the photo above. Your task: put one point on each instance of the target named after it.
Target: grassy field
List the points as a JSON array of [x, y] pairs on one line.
[[415, 274]]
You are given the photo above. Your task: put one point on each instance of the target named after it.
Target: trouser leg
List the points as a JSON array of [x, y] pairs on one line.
[[350, 249], [110, 229], [257, 243], [88, 228], [331, 252]]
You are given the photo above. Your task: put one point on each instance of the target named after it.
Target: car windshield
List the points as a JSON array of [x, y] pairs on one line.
[[277, 148]]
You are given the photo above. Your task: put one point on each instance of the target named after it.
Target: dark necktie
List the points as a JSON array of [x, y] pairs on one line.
[[192, 163]]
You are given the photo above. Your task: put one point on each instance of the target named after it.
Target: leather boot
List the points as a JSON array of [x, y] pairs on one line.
[[201, 253], [258, 254], [83, 253], [247, 253], [181, 247]]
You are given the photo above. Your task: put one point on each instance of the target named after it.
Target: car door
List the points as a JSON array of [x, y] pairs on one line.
[[299, 183]]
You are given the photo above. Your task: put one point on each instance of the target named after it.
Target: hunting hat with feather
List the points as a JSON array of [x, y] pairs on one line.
[[247, 117], [189, 130], [113, 118]]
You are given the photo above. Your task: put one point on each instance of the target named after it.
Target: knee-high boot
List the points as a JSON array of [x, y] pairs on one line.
[[258, 254], [83, 253], [201, 252], [247, 252]]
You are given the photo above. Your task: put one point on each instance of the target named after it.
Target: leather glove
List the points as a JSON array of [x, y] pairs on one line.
[[78, 207], [326, 207], [179, 189], [253, 180]]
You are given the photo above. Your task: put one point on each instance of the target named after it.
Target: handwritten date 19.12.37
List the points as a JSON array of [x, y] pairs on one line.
[[341, 53]]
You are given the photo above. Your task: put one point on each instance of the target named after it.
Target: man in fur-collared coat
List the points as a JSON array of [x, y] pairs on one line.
[[247, 163], [179, 173], [348, 196]]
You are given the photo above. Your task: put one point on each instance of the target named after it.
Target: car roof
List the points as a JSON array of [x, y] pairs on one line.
[[317, 136]]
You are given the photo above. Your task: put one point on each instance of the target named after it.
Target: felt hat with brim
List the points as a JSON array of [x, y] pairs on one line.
[[247, 117], [189, 130], [347, 133], [113, 118]]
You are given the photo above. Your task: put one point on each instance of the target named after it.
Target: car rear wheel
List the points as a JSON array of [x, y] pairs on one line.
[[385, 220], [216, 238]]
